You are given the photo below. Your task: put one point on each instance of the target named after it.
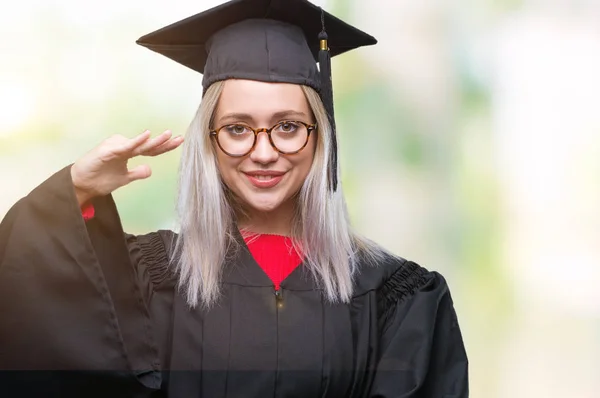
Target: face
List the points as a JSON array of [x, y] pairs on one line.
[[264, 180]]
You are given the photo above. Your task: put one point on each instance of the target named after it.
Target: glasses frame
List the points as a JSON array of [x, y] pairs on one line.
[[309, 127]]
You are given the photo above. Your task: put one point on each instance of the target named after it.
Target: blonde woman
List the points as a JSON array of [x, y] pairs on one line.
[[265, 290]]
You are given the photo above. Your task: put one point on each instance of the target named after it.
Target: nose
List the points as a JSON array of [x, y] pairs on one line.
[[263, 151]]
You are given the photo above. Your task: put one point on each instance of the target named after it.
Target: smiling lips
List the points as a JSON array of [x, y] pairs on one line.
[[264, 178]]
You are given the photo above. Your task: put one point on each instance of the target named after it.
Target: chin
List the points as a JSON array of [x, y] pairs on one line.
[[265, 202], [264, 205]]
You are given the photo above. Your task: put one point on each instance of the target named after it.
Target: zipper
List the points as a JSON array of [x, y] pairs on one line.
[[278, 299], [278, 307]]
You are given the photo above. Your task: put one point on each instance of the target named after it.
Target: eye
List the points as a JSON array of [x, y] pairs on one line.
[[287, 127], [236, 129]]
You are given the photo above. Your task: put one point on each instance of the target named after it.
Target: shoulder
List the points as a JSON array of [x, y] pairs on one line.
[[394, 278], [161, 242], [153, 254], [397, 285], [385, 269]]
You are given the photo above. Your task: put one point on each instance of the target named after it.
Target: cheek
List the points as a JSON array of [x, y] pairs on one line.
[[309, 154], [227, 168], [304, 162]]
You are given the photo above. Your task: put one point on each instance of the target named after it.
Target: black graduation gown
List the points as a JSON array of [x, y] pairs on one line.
[[86, 310]]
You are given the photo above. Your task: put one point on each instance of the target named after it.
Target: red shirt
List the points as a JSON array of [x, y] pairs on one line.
[[275, 255]]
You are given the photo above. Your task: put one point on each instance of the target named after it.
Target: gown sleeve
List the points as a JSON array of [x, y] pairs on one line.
[[420, 340], [73, 319]]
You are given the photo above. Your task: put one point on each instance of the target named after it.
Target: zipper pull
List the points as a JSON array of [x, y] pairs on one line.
[[278, 299]]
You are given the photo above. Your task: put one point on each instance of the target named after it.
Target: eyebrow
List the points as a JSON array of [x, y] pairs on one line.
[[246, 117]]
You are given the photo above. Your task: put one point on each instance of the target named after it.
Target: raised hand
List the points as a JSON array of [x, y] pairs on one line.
[[104, 169]]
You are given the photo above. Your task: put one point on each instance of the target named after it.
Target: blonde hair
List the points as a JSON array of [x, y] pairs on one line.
[[321, 228]]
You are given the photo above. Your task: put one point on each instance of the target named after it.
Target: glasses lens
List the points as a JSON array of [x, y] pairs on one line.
[[236, 139], [289, 136]]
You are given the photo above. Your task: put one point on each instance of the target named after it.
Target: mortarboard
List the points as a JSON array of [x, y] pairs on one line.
[[267, 40]]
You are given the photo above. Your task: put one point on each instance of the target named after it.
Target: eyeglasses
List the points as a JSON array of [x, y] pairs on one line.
[[287, 137]]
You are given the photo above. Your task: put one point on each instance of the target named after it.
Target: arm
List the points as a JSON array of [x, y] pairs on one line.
[[421, 343], [69, 301]]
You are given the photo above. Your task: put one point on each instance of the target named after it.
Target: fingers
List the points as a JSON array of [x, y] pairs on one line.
[[153, 143], [133, 143], [166, 146], [139, 173], [143, 145]]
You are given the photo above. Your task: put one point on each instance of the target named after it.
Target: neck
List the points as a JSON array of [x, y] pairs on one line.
[[275, 222]]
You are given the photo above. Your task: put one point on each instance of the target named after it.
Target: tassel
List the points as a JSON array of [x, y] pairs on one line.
[[327, 98]]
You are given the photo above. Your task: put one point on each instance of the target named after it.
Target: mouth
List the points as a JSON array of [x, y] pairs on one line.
[[264, 179]]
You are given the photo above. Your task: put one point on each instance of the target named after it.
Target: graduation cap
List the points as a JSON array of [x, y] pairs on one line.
[[276, 41]]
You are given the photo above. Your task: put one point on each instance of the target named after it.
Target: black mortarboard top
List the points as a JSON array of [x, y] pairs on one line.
[[266, 40]]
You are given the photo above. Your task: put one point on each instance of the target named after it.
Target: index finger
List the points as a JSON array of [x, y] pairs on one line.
[[152, 143], [133, 143]]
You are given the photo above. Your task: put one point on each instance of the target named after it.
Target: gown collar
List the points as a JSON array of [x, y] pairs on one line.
[[242, 269]]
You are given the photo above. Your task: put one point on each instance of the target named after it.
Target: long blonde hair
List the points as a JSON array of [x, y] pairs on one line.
[[321, 228]]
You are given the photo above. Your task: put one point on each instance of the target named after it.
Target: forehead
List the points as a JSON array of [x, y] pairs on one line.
[[261, 99]]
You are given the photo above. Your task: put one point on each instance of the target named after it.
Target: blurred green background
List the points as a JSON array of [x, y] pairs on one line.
[[469, 143]]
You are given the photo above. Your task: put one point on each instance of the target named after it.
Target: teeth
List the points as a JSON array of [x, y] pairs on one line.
[[264, 178]]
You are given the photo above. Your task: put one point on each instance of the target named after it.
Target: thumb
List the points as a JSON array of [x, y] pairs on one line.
[[139, 173]]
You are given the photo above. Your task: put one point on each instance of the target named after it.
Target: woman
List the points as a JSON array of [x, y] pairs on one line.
[[265, 290]]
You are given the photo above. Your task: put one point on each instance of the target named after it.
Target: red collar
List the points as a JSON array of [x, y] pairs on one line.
[[275, 255]]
